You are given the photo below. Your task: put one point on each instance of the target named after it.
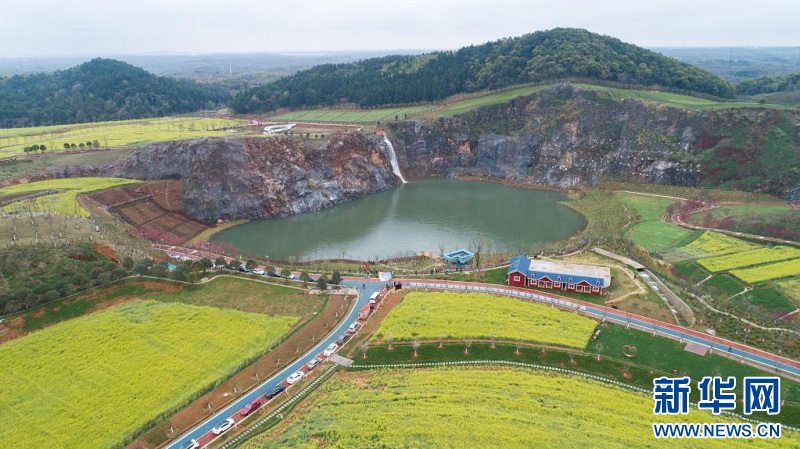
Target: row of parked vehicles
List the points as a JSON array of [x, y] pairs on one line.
[[295, 377]]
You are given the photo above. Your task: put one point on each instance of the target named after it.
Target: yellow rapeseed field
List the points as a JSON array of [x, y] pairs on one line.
[[749, 258], [485, 408], [426, 316], [95, 381]]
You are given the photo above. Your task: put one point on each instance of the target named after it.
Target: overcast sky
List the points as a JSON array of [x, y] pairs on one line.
[[100, 27]]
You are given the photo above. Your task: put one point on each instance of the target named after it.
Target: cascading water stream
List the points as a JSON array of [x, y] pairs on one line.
[[393, 159]]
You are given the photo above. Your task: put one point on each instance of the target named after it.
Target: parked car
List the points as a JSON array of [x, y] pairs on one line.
[[191, 444], [174, 256], [313, 363], [295, 377], [259, 271], [342, 339], [250, 407], [185, 258], [354, 326], [330, 349], [223, 426], [275, 391]]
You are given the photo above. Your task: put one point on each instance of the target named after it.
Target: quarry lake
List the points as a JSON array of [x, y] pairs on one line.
[[423, 215]]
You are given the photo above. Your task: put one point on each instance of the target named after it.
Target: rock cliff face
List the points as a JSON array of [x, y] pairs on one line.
[[567, 137], [563, 137], [265, 178]]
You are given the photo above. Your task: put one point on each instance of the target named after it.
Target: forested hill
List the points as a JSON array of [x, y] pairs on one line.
[[769, 84], [98, 90], [541, 56]]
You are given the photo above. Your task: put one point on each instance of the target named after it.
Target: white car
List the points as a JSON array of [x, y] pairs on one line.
[[191, 444], [295, 377], [223, 426], [185, 258], [174, 256], [259, 271], [330, 349]]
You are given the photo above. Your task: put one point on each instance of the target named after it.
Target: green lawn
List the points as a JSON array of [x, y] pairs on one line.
[[655, 236], [647, 207], [459, 104]]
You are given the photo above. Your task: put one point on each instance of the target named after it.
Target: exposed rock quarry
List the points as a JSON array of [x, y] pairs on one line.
[[265, 178], [568, 138], [563, 137]]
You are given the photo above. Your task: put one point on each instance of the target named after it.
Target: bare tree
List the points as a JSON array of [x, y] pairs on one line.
[[364, 348], [476, 246], [415, 345], [493, 339], [441, 341], [467, 344], [390, 340], [517, 347]]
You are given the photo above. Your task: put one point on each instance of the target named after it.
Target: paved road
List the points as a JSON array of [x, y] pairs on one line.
[[767, 361], [202, 432]]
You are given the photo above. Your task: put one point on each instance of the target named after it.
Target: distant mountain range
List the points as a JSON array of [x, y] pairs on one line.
[[561, 53], [99, 90]]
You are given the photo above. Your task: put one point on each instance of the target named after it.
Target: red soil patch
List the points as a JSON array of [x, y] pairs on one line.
[[107, 251]]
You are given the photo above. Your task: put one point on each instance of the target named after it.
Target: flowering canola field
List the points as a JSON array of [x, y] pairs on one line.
[[93, 382], [460, 315], [483, 408], [64, 202]]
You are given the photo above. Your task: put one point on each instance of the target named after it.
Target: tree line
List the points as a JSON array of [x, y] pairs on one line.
[[542, 56], [100, 90]]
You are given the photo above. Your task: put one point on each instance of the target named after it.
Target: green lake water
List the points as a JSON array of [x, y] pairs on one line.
[[423, 215]]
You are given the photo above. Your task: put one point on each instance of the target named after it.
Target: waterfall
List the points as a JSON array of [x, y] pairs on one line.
[[393, 159]]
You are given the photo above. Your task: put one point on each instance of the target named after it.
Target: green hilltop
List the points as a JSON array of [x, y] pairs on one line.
[[543, 56]]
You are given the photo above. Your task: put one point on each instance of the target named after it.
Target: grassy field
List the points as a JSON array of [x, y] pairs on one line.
[[752, 210], [248, 296], [93, 382], [64, 202], [779, 270], [651, 233], [426, 316], [41, 162], [461, 103], [791, 289], [481, 407], [647, 207], [656, 236], [749, 258], [113, 134]]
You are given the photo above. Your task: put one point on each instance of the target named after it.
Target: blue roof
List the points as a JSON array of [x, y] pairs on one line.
[[460, 256], [519, 263]]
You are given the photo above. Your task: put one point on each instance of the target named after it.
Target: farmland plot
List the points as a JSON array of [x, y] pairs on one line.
[[749, 258], [462, 315], [94, 382], [481, 408]]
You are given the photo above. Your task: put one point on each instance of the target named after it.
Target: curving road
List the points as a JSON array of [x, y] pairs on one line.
[[202, 432], [768, 361]]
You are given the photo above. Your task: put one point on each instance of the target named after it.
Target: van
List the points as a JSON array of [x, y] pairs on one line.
[[374, 298]]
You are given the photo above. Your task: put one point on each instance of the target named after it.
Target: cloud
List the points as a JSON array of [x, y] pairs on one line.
[[93, 27]]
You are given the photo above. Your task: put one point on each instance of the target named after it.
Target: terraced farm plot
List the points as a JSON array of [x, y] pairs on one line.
[[769, 272], [426, 316], [64, 202], [482, 408], [712, 244], [791, 289], [114, 134], [93, 382], [749, 258]]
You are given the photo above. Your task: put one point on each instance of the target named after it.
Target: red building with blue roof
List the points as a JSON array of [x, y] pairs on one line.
[[524, 272]]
